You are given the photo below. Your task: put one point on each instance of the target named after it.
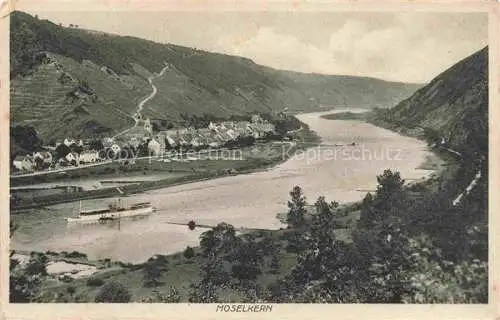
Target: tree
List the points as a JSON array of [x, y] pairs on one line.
[[37, 265], [189, 253], [218, 240], [275, 263], [71, 290], [39, 163], [219, 246], [96, 145], [113, 292], [61, 151], [323, 225], [389, 202], [382, 240], [52, 142], [433, 279], [246, 257], [22, 287], [26, 137], [297, 208], [191, 225], [75, 148], [143, 150], [203, 293], [213, 276], [94, 282], [172, 296]]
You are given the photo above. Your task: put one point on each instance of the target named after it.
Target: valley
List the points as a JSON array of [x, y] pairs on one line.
[[338, 189]]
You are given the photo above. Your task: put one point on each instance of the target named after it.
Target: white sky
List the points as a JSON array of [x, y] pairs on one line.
[[408, 47]]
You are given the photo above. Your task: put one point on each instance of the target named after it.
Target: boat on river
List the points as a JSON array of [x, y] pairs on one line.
[[114, 211]]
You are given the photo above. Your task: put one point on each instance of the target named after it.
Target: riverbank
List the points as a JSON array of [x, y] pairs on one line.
[[363, 116], [254, 158], [79, 279]]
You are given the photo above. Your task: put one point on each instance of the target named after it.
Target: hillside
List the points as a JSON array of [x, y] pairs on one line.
[[451, 113], [454, 105], [89, 83]]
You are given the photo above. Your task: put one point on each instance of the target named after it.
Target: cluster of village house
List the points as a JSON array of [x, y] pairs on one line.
[[214, 136]]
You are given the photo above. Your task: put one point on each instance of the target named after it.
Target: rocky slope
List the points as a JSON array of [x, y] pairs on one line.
[[68, 81]]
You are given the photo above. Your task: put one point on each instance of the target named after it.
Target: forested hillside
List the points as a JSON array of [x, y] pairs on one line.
[[453, 107]]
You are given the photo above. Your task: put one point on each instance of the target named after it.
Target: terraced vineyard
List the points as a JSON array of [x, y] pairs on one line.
[[53, 93]]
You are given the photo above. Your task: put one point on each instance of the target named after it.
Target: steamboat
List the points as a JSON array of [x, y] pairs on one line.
[[114, 211]]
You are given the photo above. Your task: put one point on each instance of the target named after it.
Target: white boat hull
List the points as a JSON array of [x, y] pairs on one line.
[[112, 215]]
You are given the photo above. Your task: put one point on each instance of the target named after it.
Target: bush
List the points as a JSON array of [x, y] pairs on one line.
[[113, 292], [71, 290], [153, 270], [189, 253], [95, 282]]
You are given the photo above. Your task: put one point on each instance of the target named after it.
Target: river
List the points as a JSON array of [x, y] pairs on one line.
[[249, 200]]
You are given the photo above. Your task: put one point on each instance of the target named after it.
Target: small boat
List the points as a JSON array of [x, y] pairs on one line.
[[113, 212]]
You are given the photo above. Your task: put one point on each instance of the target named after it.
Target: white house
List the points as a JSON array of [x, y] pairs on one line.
[[154, 147], [89, 156], [115, 148], [68, 142], [214, 144], [24, 163], [196, 141], [107, 142], [260, 129], [171, 141]]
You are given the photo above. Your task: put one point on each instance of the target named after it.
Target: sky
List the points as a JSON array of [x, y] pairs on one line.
[[396, 46]]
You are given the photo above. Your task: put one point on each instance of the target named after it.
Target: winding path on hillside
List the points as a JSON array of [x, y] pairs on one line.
[[141, 104]]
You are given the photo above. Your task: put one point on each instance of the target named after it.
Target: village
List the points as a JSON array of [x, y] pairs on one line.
[[142, 141]]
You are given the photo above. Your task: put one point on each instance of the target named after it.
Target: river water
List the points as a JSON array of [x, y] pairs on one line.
[[342, 173]]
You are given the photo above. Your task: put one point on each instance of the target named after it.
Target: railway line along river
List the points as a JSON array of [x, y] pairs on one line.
[[335, 169]]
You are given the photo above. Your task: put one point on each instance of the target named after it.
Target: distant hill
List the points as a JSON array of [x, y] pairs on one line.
[[72, 82], [454, 105]]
